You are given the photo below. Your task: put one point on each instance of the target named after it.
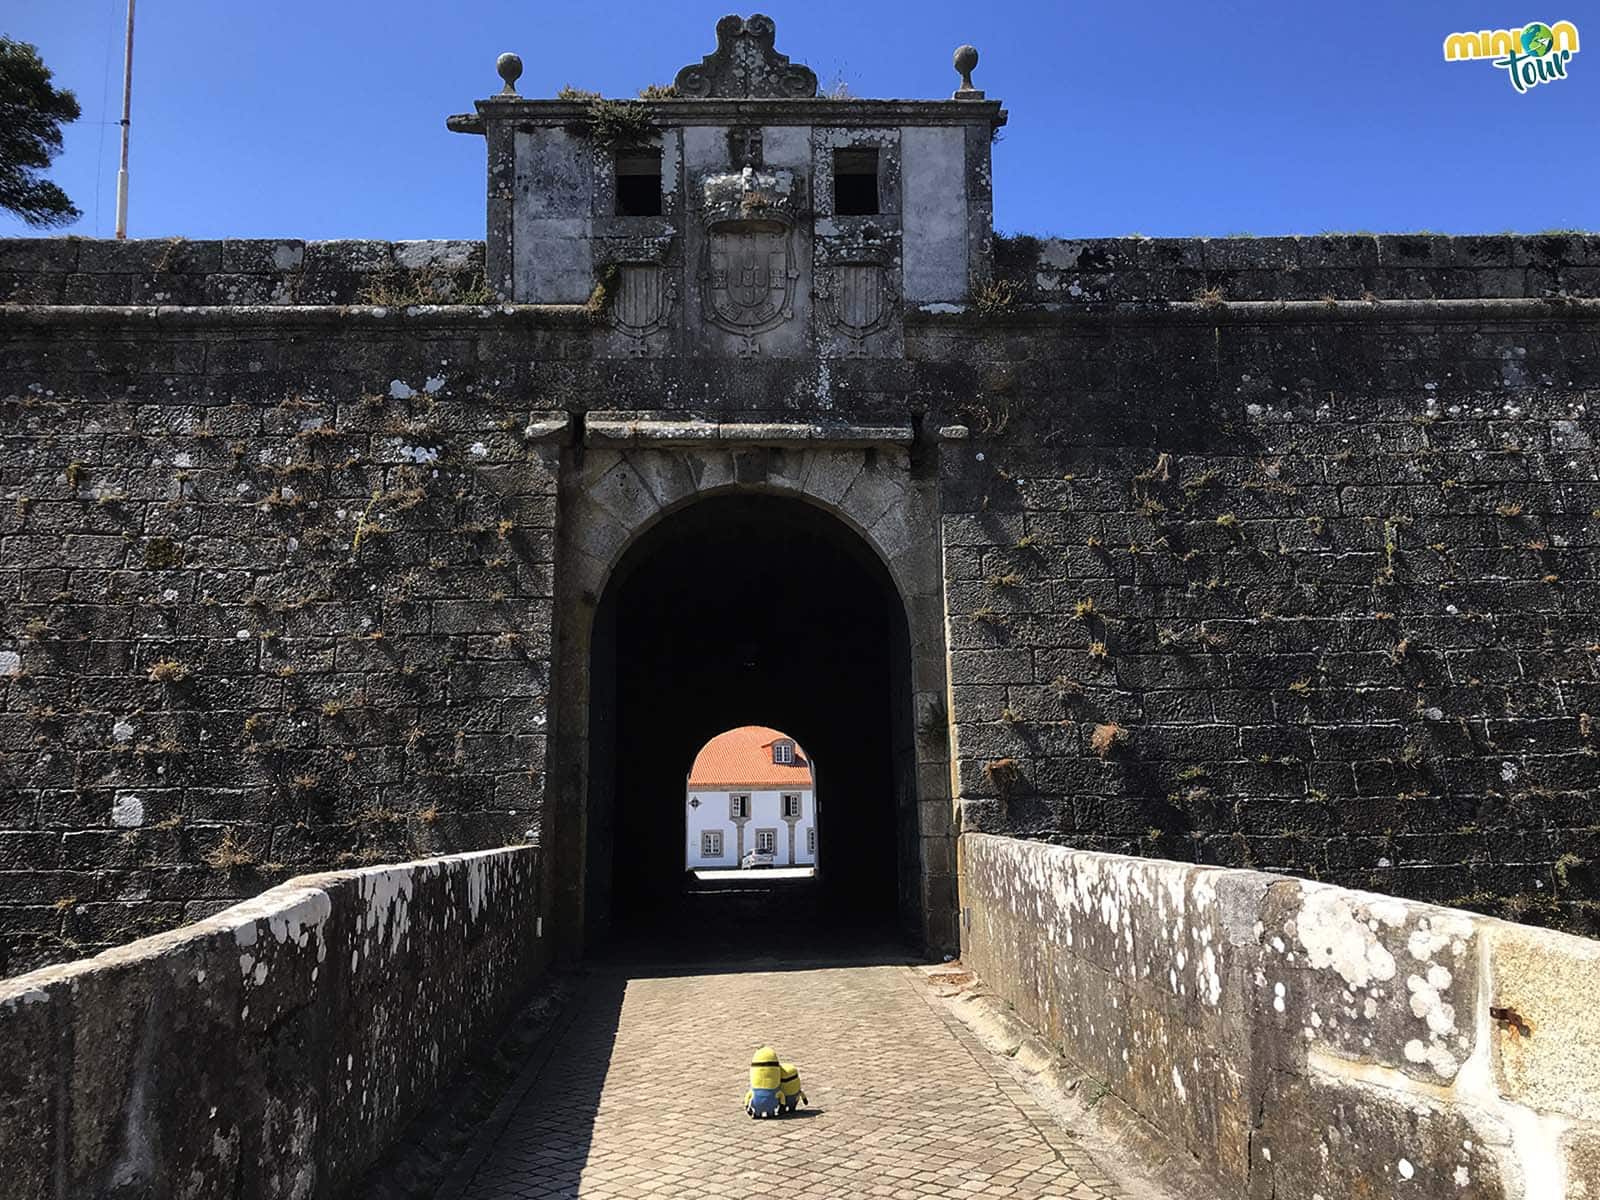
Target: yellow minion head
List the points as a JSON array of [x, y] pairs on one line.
[[765, 1070], [792, 1095]]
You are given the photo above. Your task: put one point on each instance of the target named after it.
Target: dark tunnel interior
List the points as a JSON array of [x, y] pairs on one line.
[[744, 610]]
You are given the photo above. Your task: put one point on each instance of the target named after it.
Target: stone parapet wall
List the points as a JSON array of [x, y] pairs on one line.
[[1054, 271], [274, 1049], [1337, 266], [239, 271], [1298, 1039]]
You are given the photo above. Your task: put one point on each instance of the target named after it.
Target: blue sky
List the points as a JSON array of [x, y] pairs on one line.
[[1160, 117]]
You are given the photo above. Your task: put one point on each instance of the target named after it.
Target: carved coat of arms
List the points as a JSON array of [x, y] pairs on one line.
[[856, 296], [643, 300], [859, 297], [749, 271], [750, 280]]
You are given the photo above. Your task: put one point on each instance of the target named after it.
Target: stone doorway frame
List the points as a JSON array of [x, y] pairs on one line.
[[624, 472]]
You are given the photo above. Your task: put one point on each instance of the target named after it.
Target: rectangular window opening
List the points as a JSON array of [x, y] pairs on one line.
[[791, 806], [811, 840], [711, 844], [639, 183], [738, 807], [855, 182], [766, 840], [783, 752]]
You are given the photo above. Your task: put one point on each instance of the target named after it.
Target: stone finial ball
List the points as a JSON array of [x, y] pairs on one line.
[[966, 59], [509, 67]]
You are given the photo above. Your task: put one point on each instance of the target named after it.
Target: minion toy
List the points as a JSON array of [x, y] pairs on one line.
[[793, 1097], [765, 1097]]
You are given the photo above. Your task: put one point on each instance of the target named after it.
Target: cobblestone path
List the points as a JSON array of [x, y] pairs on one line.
[[640, 1094]]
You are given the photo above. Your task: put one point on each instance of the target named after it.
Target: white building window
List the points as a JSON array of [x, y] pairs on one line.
[[811, 840], [783, 752], [791, 805], [766, 840], [711, 843], [738, 807]]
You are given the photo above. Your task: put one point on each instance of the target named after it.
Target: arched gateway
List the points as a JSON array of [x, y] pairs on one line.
[[791, 584]]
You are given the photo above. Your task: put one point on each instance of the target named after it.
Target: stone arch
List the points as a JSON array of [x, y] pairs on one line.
[[870, 489], [612, 497]]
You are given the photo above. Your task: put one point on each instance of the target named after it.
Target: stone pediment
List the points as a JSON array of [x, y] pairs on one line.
[[745, 66]]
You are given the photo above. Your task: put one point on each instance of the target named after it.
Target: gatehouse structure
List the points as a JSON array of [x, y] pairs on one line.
[[1269, 554]]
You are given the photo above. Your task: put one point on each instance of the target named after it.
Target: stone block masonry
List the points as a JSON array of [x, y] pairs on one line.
[[1269, 576], [1298, 584], [239, 271], [274, 1049], [1296, 1039], [303, 633], [1061, 271]]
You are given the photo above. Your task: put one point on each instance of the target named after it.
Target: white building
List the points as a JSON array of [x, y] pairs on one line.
[[750, 789]]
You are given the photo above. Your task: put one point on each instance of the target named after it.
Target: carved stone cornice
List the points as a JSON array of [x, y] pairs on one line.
[[75, 319], [814, 110], [618, 429]]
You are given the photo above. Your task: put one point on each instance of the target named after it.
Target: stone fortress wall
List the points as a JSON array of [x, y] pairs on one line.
[[1069, 273], [1274, 553], [238, 272], [1304, 585]]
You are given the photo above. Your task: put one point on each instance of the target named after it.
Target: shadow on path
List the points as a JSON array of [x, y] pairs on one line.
[[639, 1088], [552, 1104], [725, 946]]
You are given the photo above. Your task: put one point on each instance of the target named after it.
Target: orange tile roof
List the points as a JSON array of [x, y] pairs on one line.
[[742, 758]]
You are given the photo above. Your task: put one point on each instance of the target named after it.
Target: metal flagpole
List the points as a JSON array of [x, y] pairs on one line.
[[127, 112]]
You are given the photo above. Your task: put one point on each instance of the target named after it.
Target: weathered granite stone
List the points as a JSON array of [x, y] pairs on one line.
[[1329, 1138], [269, 1050], [745, 64], [1293, 1037], [1546, 1053], [1581, 1149], [747, 156]]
